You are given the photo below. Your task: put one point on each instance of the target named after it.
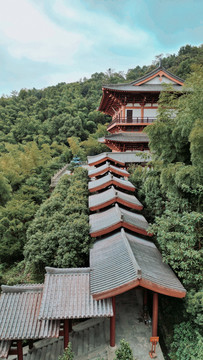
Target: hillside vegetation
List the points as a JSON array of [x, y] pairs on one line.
[[40, 131]]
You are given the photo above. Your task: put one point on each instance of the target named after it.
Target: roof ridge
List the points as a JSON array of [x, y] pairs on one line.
[[130, 252], [57, 271], [118, 210], [22, 288]]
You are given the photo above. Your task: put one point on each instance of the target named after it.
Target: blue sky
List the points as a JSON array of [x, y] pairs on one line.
[[44, 42]]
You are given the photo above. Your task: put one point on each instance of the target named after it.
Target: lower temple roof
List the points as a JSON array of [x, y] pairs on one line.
[[19, 307], [121, 158], [108, 180], [135, 137], [67, 295], [123, 261], [114, 218], [110, 196], [106, 168]]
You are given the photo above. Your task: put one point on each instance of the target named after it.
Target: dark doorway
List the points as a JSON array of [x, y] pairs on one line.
[[129, 116]]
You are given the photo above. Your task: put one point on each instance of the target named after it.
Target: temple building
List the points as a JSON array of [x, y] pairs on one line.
[[133, 106]]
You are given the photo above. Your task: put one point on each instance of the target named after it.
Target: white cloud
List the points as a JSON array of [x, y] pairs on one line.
[[100, 25], [29, 33]]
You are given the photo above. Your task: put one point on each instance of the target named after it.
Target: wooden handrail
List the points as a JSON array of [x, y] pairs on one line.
[[134, 120]]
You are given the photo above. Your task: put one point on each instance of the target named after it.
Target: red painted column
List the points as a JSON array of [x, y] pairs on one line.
[[113, 324], [66, 333], [155, 315], [20, 350]]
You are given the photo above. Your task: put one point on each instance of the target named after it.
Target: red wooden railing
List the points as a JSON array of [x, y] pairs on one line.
[[134, 120]]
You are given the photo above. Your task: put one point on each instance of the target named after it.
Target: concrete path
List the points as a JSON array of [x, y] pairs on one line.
[[130, 325]]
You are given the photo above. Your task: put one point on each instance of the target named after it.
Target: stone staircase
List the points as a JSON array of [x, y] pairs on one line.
[[90, 339]]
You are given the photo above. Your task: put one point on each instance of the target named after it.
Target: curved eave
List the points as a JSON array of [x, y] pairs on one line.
[[100, 161], [108, 141], [104, 171], [118, 225], [116, 200], [112, 182], [143, 283], [108, 100]]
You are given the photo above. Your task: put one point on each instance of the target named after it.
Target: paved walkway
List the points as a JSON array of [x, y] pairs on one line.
[[130, 325]]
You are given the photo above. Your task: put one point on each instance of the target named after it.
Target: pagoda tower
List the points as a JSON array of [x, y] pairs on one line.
[[133, 106]]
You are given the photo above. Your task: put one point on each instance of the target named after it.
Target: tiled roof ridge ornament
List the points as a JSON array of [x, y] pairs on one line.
[[130, 252], [57, 271], [22, 288]]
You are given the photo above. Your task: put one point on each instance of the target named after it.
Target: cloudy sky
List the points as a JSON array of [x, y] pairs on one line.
[[44, 42]]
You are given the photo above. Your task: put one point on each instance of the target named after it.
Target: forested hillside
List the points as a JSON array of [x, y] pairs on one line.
[[40, 131]]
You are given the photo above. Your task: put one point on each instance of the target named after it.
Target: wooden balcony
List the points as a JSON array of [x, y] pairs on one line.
[[132, 121]]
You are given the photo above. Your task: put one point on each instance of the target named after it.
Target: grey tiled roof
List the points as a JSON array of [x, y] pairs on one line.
[[113, 194], [153, 268], [107, 180], [145, 87], [67, 295], [142, 88], [122, 157], [112, 263], [19, 307], [128, 137], [105, 168], [155, 71], [103, 221], [124, 260]]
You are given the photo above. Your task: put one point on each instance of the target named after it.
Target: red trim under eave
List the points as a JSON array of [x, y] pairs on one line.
[[117, 291], [100, 187], [136, 229], [112, 182], [106, 230], [118, 200], [101, 172], [143, 283], [117, 226], [101, 206], [162, 289], [105, 159]]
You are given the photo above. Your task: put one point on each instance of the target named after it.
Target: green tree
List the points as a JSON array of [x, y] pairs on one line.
[[124, 352], [68, 353]]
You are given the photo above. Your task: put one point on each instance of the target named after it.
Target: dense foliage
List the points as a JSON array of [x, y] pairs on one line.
[[172, 192], [59, 234], [25, 173]]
